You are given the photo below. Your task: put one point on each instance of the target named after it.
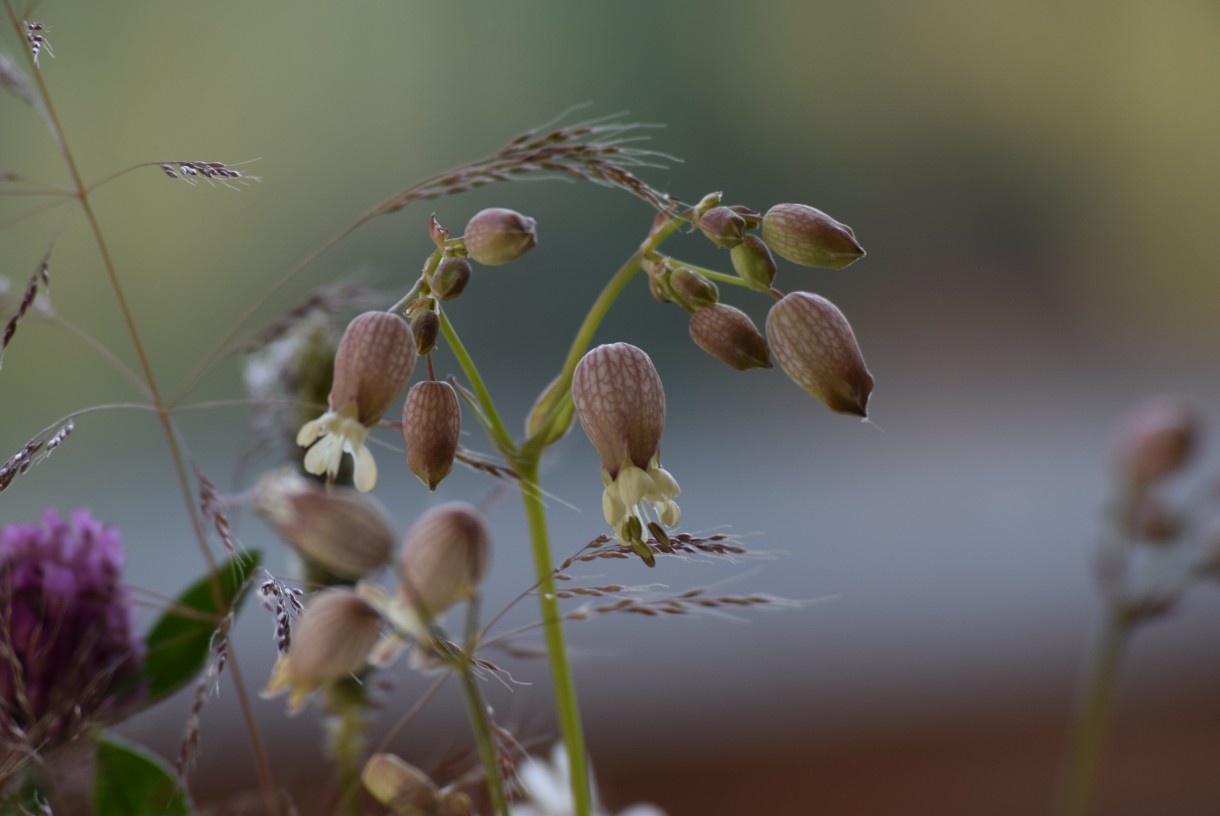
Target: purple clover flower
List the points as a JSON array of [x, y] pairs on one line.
[[68, 652]]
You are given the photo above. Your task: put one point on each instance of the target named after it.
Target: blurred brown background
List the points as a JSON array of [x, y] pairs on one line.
[[1035, 185]]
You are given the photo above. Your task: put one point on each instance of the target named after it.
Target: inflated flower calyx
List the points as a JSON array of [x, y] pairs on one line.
[[809, 237], [444, 556], [692, 289], [431, 428], [400, 786], [753, 263], [498, 236], [1156, 439], [723, 227], [621, 406], [331, 640], [449, 278], [729, 335], [344, 532], [816, 348], [372, 365]]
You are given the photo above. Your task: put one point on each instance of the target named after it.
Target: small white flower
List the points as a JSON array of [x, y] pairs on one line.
[[548, 787]]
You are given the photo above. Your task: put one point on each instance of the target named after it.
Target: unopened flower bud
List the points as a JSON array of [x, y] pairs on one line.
[[449, 278], [431, 427], [455, 803], [553, 395], [695, 289], [425, 328], [1150, 520], [723, 227], [810, 237], [753, 263], [331, 640], [372, 366], [817, 349], [344, 532], [1156, 439], [436, 232], [403, 788], [444, 556], [729, 335], [498, 236]]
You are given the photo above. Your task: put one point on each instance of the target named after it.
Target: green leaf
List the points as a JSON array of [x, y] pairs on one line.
[[179, 643], [129, 781]]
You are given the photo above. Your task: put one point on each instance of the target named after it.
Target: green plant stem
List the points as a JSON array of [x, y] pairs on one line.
[[481, 724], [499, 434], [723, 277], [1090, 730], [347, 704]]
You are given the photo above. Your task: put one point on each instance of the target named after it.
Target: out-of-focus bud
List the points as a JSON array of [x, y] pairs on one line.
[[331, 640], [1151, 521], [498, 236], [431, 427], [692, 288], [708, 202], [403, 788], [817, 349], [729, 335], [723, 227], [455, 803], [1156, 439], [425, 328], [372, 366], [444, 556], [553, 395], [621, 405], [449, 278], [753, 263], [344, 532], [810, 237]]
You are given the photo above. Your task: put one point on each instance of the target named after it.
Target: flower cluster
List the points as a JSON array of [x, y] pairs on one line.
[[70, 653]]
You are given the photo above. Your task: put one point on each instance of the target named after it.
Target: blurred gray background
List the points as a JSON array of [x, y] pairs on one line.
[[1035, 186]]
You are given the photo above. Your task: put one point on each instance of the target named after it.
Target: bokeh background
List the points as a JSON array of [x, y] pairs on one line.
[[1036, 188]]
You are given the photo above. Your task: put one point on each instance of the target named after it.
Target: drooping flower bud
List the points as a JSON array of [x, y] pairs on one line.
[[400, 786], [810, 237], [431, 427], [753, 263], [693, 289], [425, 328], [729, 335], [723, 227], [344, 532], [372, 366], [1156, 439], [332, 640], [817, 349], [449, 278], [444, 556], [621, 406], [498, 236]]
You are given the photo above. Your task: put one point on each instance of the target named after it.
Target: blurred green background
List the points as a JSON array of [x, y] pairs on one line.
[[1035, 185]]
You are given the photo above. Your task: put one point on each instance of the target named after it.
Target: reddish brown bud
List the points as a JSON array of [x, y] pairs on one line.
[[817, 349], [753, 263], [498, 236], [425, 328], [449, 278], [692, 289], [1156, 439], [730, 336], [723, 227], [810, 237], [444, 555], [621, 405], [436, 232], [431, 427], [372, 365]]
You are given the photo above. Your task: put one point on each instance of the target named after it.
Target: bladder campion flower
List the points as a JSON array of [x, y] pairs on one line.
[[817, 349], [444, 556], [621, 405], [809, 237], [71, 655], [549, 792], [332, 640], [497, 236], [431, 427], [372, 366]]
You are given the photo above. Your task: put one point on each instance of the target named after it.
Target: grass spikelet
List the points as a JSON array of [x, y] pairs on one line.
[[34, 452], [212, 506], [40, 278]]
